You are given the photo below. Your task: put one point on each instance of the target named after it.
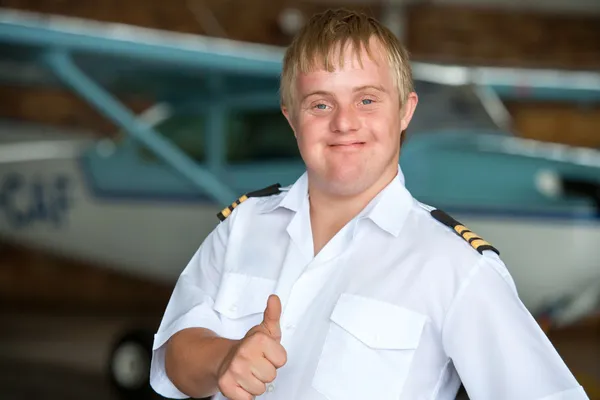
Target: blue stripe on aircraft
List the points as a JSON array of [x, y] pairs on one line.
[[140, 195], [507, 213], [483, 212]]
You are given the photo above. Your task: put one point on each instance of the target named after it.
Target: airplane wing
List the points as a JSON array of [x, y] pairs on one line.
[[173, 67], [128, 59], [102, 61]]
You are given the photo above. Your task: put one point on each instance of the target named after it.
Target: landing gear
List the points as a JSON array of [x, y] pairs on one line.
[[129, 366]]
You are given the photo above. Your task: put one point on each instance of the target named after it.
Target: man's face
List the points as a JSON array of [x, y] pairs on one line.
[[348, 123]]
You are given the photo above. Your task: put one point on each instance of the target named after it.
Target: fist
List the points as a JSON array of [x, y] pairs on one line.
[[254, 360]]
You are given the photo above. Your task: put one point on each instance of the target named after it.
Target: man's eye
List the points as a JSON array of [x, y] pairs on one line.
[[366, 102], [321, 106]]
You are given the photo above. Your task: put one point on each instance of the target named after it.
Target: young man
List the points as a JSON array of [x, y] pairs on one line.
[[344, 287]]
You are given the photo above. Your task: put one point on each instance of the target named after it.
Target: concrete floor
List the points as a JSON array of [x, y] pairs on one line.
[[64, 356], [59, 356], [22, 380]]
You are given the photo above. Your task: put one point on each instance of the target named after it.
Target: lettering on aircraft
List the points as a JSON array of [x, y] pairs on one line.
[[27, 201]]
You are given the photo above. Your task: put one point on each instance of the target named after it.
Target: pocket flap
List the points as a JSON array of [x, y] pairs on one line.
[[242, 295], [378, 324]]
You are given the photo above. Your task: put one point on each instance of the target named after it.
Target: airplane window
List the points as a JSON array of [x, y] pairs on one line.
[[264, 135], [185, 131], [252, 136]]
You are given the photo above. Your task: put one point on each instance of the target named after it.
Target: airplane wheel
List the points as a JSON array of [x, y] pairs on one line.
[[129, 366]]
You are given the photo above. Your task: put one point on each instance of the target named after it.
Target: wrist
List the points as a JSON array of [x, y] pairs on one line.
[[223, 349]]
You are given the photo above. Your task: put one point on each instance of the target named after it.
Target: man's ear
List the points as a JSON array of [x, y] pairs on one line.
[[408, 109], [290, 119]]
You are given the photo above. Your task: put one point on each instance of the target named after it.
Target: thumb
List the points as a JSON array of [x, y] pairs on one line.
[[272, 315]]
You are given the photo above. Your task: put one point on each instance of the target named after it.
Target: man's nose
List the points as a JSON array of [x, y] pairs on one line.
[[345, 120]]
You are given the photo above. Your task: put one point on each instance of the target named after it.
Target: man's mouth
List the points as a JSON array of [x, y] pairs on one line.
[[348, 144]]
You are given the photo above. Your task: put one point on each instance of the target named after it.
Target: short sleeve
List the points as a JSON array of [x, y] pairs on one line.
[[497, 347], [191, 304]]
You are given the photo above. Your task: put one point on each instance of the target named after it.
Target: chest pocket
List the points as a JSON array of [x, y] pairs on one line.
[[241, 302], [368, 350]]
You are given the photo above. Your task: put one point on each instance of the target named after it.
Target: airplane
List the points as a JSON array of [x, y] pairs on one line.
[[142, 204]]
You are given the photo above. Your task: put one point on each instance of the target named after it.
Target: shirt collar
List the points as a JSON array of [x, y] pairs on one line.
[[292, 199], [388, 209]]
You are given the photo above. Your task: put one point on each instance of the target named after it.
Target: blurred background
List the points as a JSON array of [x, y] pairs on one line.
[[126, 126]]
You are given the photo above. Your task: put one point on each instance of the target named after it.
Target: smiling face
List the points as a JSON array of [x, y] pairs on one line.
[[348, 123]]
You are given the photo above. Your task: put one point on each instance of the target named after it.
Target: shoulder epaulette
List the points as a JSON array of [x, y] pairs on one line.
[[268, 191], [472, 238]]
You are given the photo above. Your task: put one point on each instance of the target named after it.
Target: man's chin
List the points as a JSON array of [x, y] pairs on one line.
[[348, 181], [347, 185]]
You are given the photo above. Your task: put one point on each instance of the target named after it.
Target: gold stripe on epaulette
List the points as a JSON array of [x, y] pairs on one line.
[[470, 235], [460, 229], [465, 233], [238, 202], [479, 243], [226, 212], [268, 191]]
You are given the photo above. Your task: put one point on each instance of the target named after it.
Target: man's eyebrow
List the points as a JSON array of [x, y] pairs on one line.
[[376, 87], [317, 92]]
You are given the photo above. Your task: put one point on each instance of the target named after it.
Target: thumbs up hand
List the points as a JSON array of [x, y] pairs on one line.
[[254, 360], [271, 318]]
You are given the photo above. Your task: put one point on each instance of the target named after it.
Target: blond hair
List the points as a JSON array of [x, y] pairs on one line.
[[315, 46]]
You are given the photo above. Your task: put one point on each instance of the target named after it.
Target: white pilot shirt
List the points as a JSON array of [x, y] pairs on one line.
[[395, 307]]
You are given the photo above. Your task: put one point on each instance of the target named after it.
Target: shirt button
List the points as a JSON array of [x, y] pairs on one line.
[[270, 387], [290, 326], [233, 308]]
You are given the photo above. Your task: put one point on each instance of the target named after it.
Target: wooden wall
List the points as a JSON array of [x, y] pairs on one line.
[[252, 21], [558, 123], [472, 35]]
